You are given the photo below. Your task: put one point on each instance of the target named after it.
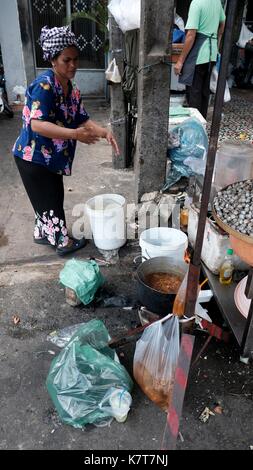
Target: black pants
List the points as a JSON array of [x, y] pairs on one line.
[[46, 193], [198, 94]]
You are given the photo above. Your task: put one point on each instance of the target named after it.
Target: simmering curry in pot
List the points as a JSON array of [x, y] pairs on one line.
[[163, 282]]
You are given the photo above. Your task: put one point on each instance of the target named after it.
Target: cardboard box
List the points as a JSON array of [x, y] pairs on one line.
[[215, 243], [176, 51]]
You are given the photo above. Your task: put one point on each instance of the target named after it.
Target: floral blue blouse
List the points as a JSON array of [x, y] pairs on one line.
[[45, 100]]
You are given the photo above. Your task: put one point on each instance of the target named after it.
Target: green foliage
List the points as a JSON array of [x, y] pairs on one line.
[[97, 13]]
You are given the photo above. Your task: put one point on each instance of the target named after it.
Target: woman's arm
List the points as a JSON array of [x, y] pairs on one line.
[[52, 131]]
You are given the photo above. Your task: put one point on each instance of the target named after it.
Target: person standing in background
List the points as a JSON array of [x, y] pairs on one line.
[[205, 27]]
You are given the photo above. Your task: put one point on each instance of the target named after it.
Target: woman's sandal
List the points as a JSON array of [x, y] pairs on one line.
[[76, 245]]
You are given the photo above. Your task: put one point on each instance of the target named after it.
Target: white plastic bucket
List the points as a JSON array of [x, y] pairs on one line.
[[163, 241], [107, 216]]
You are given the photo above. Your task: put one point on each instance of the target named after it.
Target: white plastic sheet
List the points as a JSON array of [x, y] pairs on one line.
[[127, 13]]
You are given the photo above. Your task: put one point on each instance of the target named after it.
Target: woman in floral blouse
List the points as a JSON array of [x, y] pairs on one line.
[[54, 119]]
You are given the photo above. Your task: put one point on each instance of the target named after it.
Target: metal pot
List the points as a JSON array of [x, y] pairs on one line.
[[152, 299]]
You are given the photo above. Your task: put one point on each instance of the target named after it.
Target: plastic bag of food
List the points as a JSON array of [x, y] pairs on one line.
[[83, 277], [83, 377], [155, 360]]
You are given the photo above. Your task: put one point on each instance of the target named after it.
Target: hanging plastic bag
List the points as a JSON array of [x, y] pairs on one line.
[[83, 377], [213, 84], [127, 13], [112, 72], [155, 360], [245, 36], [83, 277]]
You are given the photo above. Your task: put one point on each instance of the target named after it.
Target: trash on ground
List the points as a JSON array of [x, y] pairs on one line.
[[16, 320], [111, 256], [181, 436], [155, 360], [218, 410], [86, 381], [83, 277], [106, 297], [205, 415], [61, 337], [146, 316], [115, 301]]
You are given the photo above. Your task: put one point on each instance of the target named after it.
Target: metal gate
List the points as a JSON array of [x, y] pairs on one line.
[[90, 75]]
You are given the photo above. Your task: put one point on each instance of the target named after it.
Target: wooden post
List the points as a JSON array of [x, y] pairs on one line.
[[153, 96], [118, 111]]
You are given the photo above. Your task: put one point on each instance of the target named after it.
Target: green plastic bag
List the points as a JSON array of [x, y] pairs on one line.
[[84, 277], [81, 376]]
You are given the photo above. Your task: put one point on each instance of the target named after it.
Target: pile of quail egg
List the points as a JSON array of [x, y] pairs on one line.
[[234, 206]]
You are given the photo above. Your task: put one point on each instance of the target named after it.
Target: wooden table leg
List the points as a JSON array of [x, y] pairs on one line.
[[176, 406]]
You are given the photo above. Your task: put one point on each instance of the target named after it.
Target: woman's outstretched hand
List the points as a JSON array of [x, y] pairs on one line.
[[111, 140], [91, 132]]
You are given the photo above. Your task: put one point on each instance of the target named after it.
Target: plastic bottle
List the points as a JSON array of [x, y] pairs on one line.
[[184, 216], [227, 268]]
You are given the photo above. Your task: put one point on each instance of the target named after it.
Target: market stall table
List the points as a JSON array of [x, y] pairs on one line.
[[241, 327]]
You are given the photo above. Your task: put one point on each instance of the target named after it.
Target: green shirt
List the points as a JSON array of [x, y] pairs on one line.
[[205, 16]]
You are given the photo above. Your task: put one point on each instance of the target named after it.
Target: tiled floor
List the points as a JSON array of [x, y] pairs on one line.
[[237, 120]]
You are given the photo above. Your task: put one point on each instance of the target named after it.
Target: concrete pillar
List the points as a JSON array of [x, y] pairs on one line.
[[118, 111], [153, 96], [10, 40], [25, 22]]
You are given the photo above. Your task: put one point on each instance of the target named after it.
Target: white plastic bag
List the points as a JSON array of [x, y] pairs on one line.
[[127, 13], [245, 36], [179, 22], [213, 84], [19, 91], [155, 360], [112, 72]]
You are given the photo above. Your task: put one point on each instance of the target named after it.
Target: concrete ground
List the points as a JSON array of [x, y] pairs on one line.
[[30, 289]]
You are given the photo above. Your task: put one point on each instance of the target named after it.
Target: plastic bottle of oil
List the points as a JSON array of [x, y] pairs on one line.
[[227, 268]]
